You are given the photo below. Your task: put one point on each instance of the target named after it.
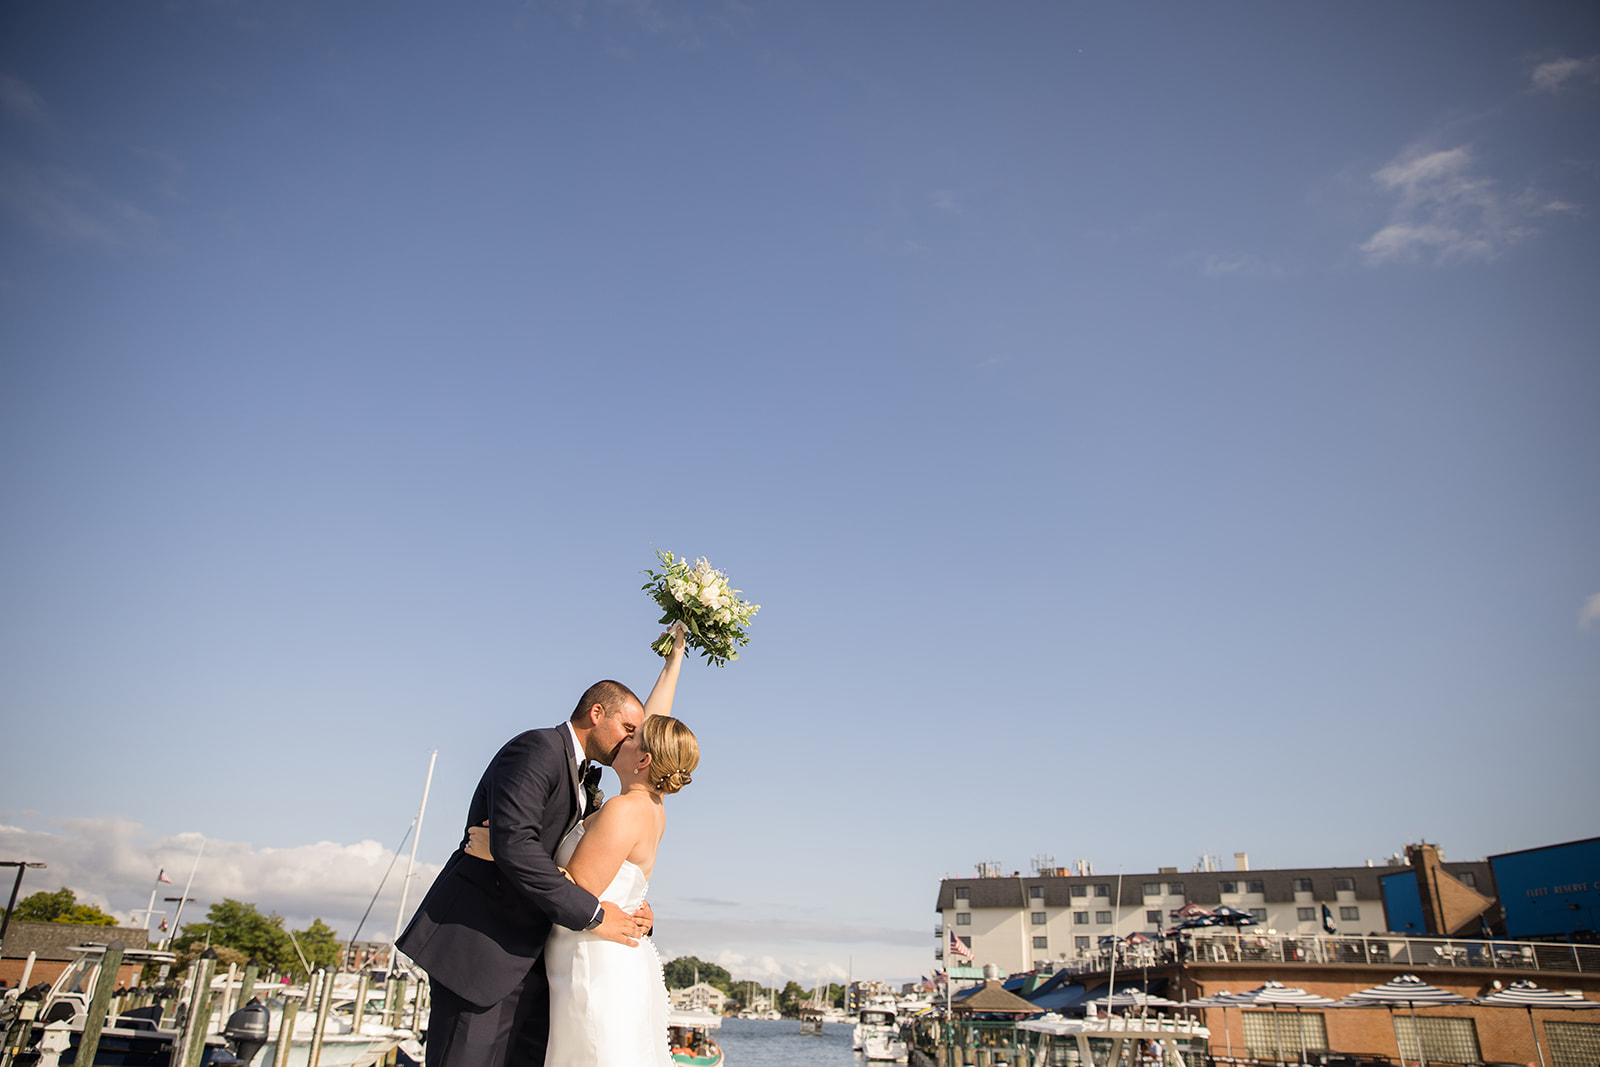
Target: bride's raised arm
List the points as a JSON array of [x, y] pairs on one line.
[[660, 700]]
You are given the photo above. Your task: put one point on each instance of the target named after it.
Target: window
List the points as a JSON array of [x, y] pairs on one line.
[[1302, 885], [1258, 914], [1350, 915], [963, 918], [1174, 889], [1269, 1034], [1152, 889], [1036, 892], [1038, 918], [1103, 918], [1255, 887], [963, 892], [1454, 1040], [1306, 915], [1102, 891], [1080, 918], [1468, 878], [1153, 917], [1573, 1044], [1229, 887], [1041, 942], [1344, 885], [1079, 890], [1081, 944]]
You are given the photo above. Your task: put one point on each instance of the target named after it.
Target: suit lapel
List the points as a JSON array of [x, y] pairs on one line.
[[573, 779]]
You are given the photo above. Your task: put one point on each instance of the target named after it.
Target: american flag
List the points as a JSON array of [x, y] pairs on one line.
[[959, 947], [162, 877]]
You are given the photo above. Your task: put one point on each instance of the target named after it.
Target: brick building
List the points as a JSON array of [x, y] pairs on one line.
[[51, 943]]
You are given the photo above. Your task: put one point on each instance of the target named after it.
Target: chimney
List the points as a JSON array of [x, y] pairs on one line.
[[1241, 861]]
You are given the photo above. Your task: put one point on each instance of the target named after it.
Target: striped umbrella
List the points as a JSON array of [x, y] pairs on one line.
[[1274, 994], [1410, 991], [1524, 994]]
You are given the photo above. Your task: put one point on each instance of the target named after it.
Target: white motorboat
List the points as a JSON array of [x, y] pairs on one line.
[[689, 1036], [877, 1017], [885, 1048]]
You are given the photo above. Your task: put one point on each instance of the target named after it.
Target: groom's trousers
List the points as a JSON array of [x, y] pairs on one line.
[[511, 1033]]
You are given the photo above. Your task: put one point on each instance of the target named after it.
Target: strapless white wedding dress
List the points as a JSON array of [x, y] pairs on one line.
[[608, 1002]]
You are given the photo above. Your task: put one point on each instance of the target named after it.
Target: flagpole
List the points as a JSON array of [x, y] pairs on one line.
[[186, 887]]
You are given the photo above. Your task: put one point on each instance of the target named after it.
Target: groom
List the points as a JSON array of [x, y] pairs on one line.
[[480, 931]]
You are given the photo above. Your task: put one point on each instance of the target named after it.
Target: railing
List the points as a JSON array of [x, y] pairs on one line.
[[1208, 946]]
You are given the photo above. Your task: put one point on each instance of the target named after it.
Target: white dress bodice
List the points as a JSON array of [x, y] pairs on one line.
[[608, 1002]]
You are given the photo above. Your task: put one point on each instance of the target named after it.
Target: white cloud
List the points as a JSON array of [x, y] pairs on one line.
[[1446, 211], [943, 200], [112, 863], [1549, 77], [1590, 612]]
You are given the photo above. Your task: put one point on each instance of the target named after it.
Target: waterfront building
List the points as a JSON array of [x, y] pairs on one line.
[[1059, 915]]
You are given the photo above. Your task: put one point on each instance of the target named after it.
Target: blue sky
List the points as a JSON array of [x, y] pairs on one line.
[[1149, 432]]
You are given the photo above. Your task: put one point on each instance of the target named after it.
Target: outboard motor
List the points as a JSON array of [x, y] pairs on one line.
[[247, 1029]]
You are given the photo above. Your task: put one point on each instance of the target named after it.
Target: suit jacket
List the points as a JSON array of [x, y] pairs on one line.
[[483, 924]]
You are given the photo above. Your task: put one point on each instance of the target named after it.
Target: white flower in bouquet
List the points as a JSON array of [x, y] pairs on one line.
[[699, 597]]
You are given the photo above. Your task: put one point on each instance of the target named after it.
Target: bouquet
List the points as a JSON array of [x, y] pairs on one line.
[[699, 598]]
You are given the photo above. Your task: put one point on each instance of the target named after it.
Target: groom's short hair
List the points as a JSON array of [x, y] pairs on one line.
[[608, 694]]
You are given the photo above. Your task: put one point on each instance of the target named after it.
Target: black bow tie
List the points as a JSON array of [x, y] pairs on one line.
[[589, 778]]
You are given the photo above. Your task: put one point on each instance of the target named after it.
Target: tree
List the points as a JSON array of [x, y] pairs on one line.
[[320, 943], [791, 998], [60, 907], [680, 973]]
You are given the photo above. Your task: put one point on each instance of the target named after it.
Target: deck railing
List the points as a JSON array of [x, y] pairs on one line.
[[1247, 946]]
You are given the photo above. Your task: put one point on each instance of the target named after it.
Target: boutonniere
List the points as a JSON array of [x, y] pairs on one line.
[[593, 796]]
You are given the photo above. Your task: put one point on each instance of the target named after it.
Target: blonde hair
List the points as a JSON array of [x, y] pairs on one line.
[[673, 752]]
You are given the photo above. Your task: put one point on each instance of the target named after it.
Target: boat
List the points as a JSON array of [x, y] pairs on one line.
[[876, 1016], [689, 1035], [879, 1046], [1183, 1041], [132, 1039], [811, 1012]]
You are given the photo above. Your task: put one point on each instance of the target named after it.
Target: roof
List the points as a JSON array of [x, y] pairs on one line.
[[55, 941], [1199, 887], [993, 997]]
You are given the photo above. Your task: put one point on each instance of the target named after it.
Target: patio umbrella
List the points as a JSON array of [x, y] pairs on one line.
[[1233, 916], [1190, 911], [1524, 994], [1132, 998], [1220, 999], [1409, 990], [1275, 993]]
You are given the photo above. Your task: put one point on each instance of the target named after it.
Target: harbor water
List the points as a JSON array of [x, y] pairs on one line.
[[779, 1043]]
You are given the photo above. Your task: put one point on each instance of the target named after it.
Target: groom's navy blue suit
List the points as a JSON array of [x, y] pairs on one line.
[[480, 931]]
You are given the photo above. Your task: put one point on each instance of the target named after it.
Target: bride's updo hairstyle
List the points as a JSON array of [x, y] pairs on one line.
[[673, 751]]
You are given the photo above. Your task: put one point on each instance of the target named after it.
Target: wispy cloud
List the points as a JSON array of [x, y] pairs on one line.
[[68, 207], [1447, 211], [943, 200], [1590, 612], [1550, 77], [19, 101], [1247, 265]]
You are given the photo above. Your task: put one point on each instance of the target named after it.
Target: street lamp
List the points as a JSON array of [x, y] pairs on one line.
[[180, 901], [21, 866]]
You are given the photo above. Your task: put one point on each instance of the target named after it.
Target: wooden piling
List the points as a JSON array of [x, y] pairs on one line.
[[399, 1001], [225, 1005], [99, 1002], [358, 1016], [193, 1044], [247, 984], [291, 1008], [324, 1002]]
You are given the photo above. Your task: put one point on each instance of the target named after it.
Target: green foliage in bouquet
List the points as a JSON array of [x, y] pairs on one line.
[[699, 597]]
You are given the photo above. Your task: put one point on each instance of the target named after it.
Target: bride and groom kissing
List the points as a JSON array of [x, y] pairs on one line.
[[535, 933]]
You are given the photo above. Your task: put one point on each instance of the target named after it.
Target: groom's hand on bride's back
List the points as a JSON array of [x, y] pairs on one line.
[[618, 925]]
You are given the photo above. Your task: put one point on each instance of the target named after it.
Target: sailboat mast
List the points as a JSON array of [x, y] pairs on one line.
[[416, 836]]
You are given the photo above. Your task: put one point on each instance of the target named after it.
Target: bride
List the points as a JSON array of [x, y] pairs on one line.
[[608, 1002]]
